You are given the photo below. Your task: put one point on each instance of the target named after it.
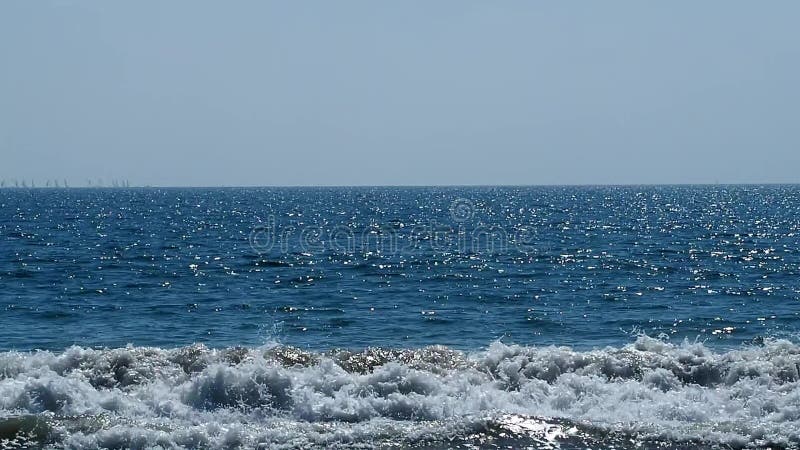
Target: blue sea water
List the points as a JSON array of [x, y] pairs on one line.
[[429, 317]]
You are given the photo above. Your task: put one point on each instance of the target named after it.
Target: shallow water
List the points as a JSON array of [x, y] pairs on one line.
[[395, 317]]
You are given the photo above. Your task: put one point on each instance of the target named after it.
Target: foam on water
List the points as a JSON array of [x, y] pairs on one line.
[[434, 397]]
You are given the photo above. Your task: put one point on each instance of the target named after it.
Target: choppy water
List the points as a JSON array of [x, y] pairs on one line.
[[397, 317]]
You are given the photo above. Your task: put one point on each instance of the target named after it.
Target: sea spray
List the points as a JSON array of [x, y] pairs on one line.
[[645, 392]]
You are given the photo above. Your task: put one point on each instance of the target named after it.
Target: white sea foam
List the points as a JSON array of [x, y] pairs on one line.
[[138, 397]]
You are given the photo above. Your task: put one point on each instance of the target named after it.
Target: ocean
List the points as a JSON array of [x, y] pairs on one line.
[[400, 317]]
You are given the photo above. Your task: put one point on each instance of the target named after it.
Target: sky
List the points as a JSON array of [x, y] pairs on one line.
[[266, 93]]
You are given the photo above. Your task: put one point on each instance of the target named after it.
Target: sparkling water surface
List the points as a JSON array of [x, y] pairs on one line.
[[429, 318], [398, 267]]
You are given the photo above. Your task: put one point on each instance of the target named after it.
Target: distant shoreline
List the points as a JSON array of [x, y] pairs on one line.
[[407, 186]]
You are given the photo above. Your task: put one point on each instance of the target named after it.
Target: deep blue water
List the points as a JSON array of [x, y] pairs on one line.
[[487, 317], [398, 267]]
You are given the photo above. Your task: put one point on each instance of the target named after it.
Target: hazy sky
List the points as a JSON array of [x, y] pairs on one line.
[[407, 92]]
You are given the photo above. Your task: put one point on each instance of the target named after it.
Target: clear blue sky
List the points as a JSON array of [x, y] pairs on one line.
[[408, 92]]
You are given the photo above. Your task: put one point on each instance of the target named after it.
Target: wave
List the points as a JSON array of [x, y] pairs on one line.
[[646, 394]]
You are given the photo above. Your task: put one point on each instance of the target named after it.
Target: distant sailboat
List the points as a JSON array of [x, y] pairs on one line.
[[23, 184], [56, 182], [65, 183]]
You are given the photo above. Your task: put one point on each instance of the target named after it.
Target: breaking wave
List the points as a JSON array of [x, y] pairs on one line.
[[644, 394]]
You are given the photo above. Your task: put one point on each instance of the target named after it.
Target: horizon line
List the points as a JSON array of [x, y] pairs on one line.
[[224, 186]]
